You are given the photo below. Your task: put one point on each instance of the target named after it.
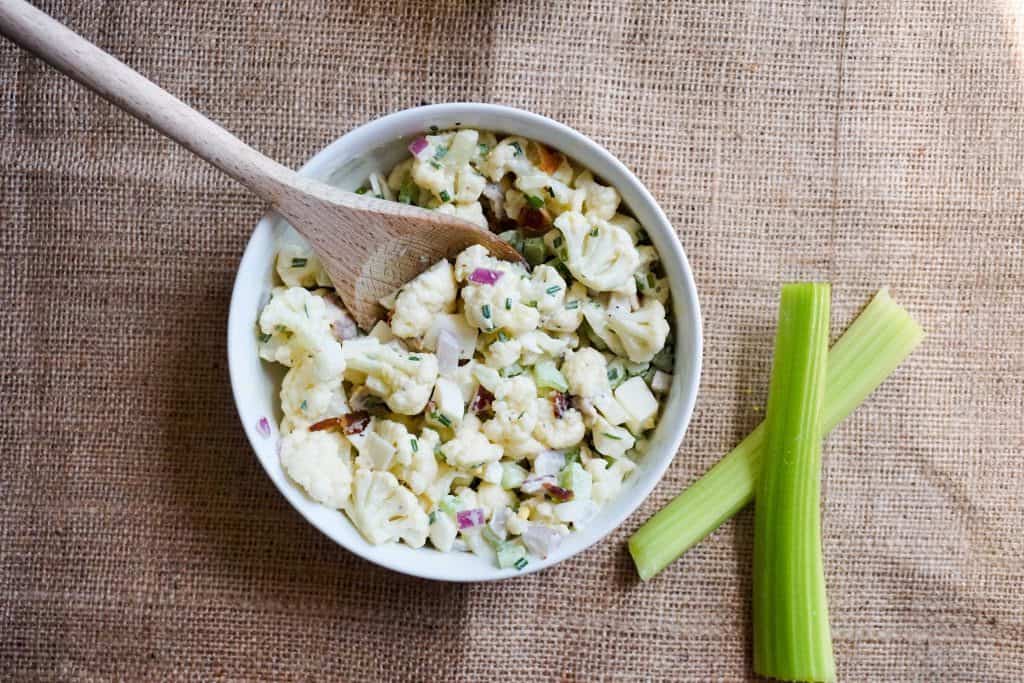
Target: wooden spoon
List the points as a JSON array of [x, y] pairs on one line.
[[368, 246]]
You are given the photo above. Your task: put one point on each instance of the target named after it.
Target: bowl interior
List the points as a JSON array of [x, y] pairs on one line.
[[377, 146]]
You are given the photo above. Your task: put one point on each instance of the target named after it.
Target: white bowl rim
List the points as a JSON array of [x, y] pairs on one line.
[[454, 111]]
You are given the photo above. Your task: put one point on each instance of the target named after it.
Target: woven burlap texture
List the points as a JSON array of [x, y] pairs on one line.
[[863, 142]]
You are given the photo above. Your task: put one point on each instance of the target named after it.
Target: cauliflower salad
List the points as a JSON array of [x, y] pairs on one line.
[[497, 406]]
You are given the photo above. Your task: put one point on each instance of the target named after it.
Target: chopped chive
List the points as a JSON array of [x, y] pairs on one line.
[[613, 374], [432, 517], [552, 290], [305, 307], [264, 338], [362, 190], [557, 242], [502, 337], [302, 406], [443, 419], [440, 153], [650, 281], [518, 149], [415, 358], [445, 197], [379, 196], [572, 305], [534, 201], [612, 436], [415, 445], [641, 281], [594, 232], [434, 164], [572, 455], [299, 262], [508, 304], [486, 310], [484, 149], [439, 456], [551, 192], [532, 304], [520, 563]]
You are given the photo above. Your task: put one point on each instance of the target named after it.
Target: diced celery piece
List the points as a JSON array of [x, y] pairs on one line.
[[576, 479], [534, 250], [509, 553], [546, 375], [450, 504], [513, 237], [513, 475]]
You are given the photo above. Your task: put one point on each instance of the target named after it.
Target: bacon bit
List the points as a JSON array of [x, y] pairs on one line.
[[557, 492], [549, 160], [481, 401], [353, 423], [561, 403], [534, 222]]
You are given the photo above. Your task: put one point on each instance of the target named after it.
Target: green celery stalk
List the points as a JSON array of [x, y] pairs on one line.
[[881, 337], [792, 641]]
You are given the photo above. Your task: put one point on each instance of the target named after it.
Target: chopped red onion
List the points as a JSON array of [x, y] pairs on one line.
[[548, 463], [541, 540], [535, 484], [470, 519], [418, 145], [263, 427], [355, 423], [447, 353], [485, 276]]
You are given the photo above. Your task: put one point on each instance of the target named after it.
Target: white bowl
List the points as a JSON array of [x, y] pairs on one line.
[[377, 146]]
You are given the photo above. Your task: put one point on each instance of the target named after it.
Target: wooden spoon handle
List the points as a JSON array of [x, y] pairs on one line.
[[126, 88]]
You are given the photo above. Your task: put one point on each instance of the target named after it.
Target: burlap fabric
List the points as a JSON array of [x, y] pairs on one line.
[[864, 142]]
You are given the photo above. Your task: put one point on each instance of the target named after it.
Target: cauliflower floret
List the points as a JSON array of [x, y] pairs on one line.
[[383, 510], [569, 315], [492, 497], [608, 480], [306, 397], [586, 371], [598, 254], [528, 349], [299, 329], [548, 290], [509, 156], [422, 469], [597, 317], [470, 448], [444, 168], [472, 212], [558, 432], [502, 305], [629, 224], [418, 302], [610, 440], [515, 416], [299, 266], [647, 283], [443, 532], [403, 380], [641, 333], [601, 201], [319, 462], [381, 444]]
